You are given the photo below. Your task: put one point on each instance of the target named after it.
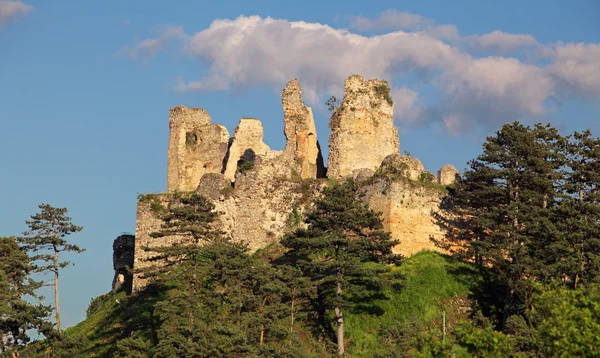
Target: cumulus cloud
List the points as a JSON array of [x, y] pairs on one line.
[[577, 68], [408, 109], [250, 51], [150, 47], [12, 9], [399, 20], [493, 88], [501, 42]]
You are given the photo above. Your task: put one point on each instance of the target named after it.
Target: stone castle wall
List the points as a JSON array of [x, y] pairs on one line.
[[262, 193]]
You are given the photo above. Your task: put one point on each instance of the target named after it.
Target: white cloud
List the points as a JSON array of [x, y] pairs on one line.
[[398, 20], [250, 51], [577, 68], [12, 9], [150, 47], [494, 89], [210, 83], [408, 109], [501, 42]]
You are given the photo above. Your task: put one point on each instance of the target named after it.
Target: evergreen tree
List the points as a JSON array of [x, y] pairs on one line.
[[45, 238], [220, 301], [576, 253], [17, 316], [189, 218], [339, 250], [500, 212]]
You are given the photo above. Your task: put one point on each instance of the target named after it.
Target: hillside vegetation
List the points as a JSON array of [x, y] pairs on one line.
[[433, 283]]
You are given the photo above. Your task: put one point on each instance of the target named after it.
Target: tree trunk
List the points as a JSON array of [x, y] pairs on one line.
[[340, 319], [293, 301], [262, 326], [56, 290]]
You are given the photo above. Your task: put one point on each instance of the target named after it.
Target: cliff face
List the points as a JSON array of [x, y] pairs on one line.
[[263, 193]]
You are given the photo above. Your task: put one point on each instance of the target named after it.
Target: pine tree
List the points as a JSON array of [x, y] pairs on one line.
[[340, 250], [45, 238], [220, 301], [500, 212], [576, 252], [189, 218], [17, 315]]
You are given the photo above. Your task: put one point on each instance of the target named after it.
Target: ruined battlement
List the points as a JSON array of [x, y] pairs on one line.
[[262, 193], [362, 128]]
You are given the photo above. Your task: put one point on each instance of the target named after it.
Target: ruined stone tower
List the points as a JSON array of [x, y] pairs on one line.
[[362, 128], [196, 147]]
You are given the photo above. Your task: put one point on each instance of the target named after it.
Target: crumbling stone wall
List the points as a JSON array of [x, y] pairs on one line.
[[196, 147], [407, 209], [362, 128], [257, 212], [447, 175], [147, 222], [264, 200], [247, 143], [123, 256]]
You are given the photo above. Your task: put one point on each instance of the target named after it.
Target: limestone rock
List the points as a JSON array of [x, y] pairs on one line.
[[123, 251], [447, 175], [362, 128], [196, 147], [213, 185], [362, 174], [247, 143], [300, 131], [408, 213], [396, 163]]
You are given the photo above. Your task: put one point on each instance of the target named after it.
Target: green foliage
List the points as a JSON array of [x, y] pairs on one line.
[[147, 198], [566, 322], [342, 252], [332, 104], [96, 303], [17, 315], [294, 218], [426, 177], [245, 166], [227, 190], [191, 138], [383, 90], [432, 283], [45, 239]]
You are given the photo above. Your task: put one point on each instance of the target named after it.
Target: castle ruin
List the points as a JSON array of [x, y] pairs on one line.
[[261, 193]]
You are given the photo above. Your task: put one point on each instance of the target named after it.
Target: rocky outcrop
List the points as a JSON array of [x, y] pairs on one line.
[[407, 212], [247, 143], [447, 175], [300, 132], [409, 167], [123, 254], [362, 128], [196, 147]]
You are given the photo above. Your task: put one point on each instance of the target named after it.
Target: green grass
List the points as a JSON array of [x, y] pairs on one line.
[[433, 284], [100, 328]]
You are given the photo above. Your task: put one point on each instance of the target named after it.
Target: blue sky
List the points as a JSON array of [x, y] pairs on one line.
[[85, 89]]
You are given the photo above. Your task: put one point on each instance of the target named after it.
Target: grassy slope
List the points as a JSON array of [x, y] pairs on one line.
[[434, 283]]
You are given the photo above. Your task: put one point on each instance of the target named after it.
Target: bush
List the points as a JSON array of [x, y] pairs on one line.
[[245, 167]]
